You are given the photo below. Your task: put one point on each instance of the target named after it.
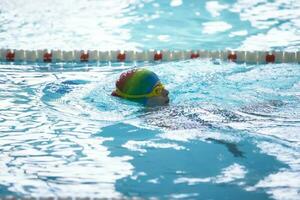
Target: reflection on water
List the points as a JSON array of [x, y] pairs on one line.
[[67, 25], [135, 24]]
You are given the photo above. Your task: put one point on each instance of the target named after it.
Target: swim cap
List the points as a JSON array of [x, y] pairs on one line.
[[137, 82]]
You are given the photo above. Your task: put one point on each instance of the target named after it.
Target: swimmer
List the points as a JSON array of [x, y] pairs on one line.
[[143, 86]]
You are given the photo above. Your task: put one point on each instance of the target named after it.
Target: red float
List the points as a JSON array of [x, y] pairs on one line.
[[84, 57], [194, 55], [10, 56], [47, 57], [121, 57], [232, 57], [157, 56], [270, 58]]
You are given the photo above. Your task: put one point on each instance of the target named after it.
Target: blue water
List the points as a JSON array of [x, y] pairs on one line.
[[231, 130]]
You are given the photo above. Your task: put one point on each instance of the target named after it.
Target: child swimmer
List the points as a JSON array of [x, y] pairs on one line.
[[141, 85]]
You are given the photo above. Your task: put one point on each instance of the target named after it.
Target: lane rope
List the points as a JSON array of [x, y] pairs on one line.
[[54, 56]]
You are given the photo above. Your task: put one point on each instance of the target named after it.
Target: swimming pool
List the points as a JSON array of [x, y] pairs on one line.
[[231, 130]]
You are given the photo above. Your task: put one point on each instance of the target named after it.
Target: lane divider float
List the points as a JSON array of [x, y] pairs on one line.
[[54, 56]]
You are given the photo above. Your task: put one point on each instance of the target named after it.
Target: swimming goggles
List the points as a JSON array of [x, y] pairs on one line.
[[157, 91]]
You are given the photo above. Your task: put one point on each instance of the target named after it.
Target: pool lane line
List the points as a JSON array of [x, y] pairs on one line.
[[49, 56]]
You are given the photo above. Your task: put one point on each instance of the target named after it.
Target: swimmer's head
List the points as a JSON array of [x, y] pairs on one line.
[[141, 85]]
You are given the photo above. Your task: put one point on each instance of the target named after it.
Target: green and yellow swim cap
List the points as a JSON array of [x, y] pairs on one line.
[[138, 83]]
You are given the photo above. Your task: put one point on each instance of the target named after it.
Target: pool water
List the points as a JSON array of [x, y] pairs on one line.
[[231, 131]]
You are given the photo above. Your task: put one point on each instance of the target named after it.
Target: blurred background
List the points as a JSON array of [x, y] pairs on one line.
[[147, 24]]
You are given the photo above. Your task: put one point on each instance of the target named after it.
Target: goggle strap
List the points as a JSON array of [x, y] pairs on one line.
[[121, 94]]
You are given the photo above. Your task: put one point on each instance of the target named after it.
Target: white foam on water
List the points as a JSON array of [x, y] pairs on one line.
[[229, 174]]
